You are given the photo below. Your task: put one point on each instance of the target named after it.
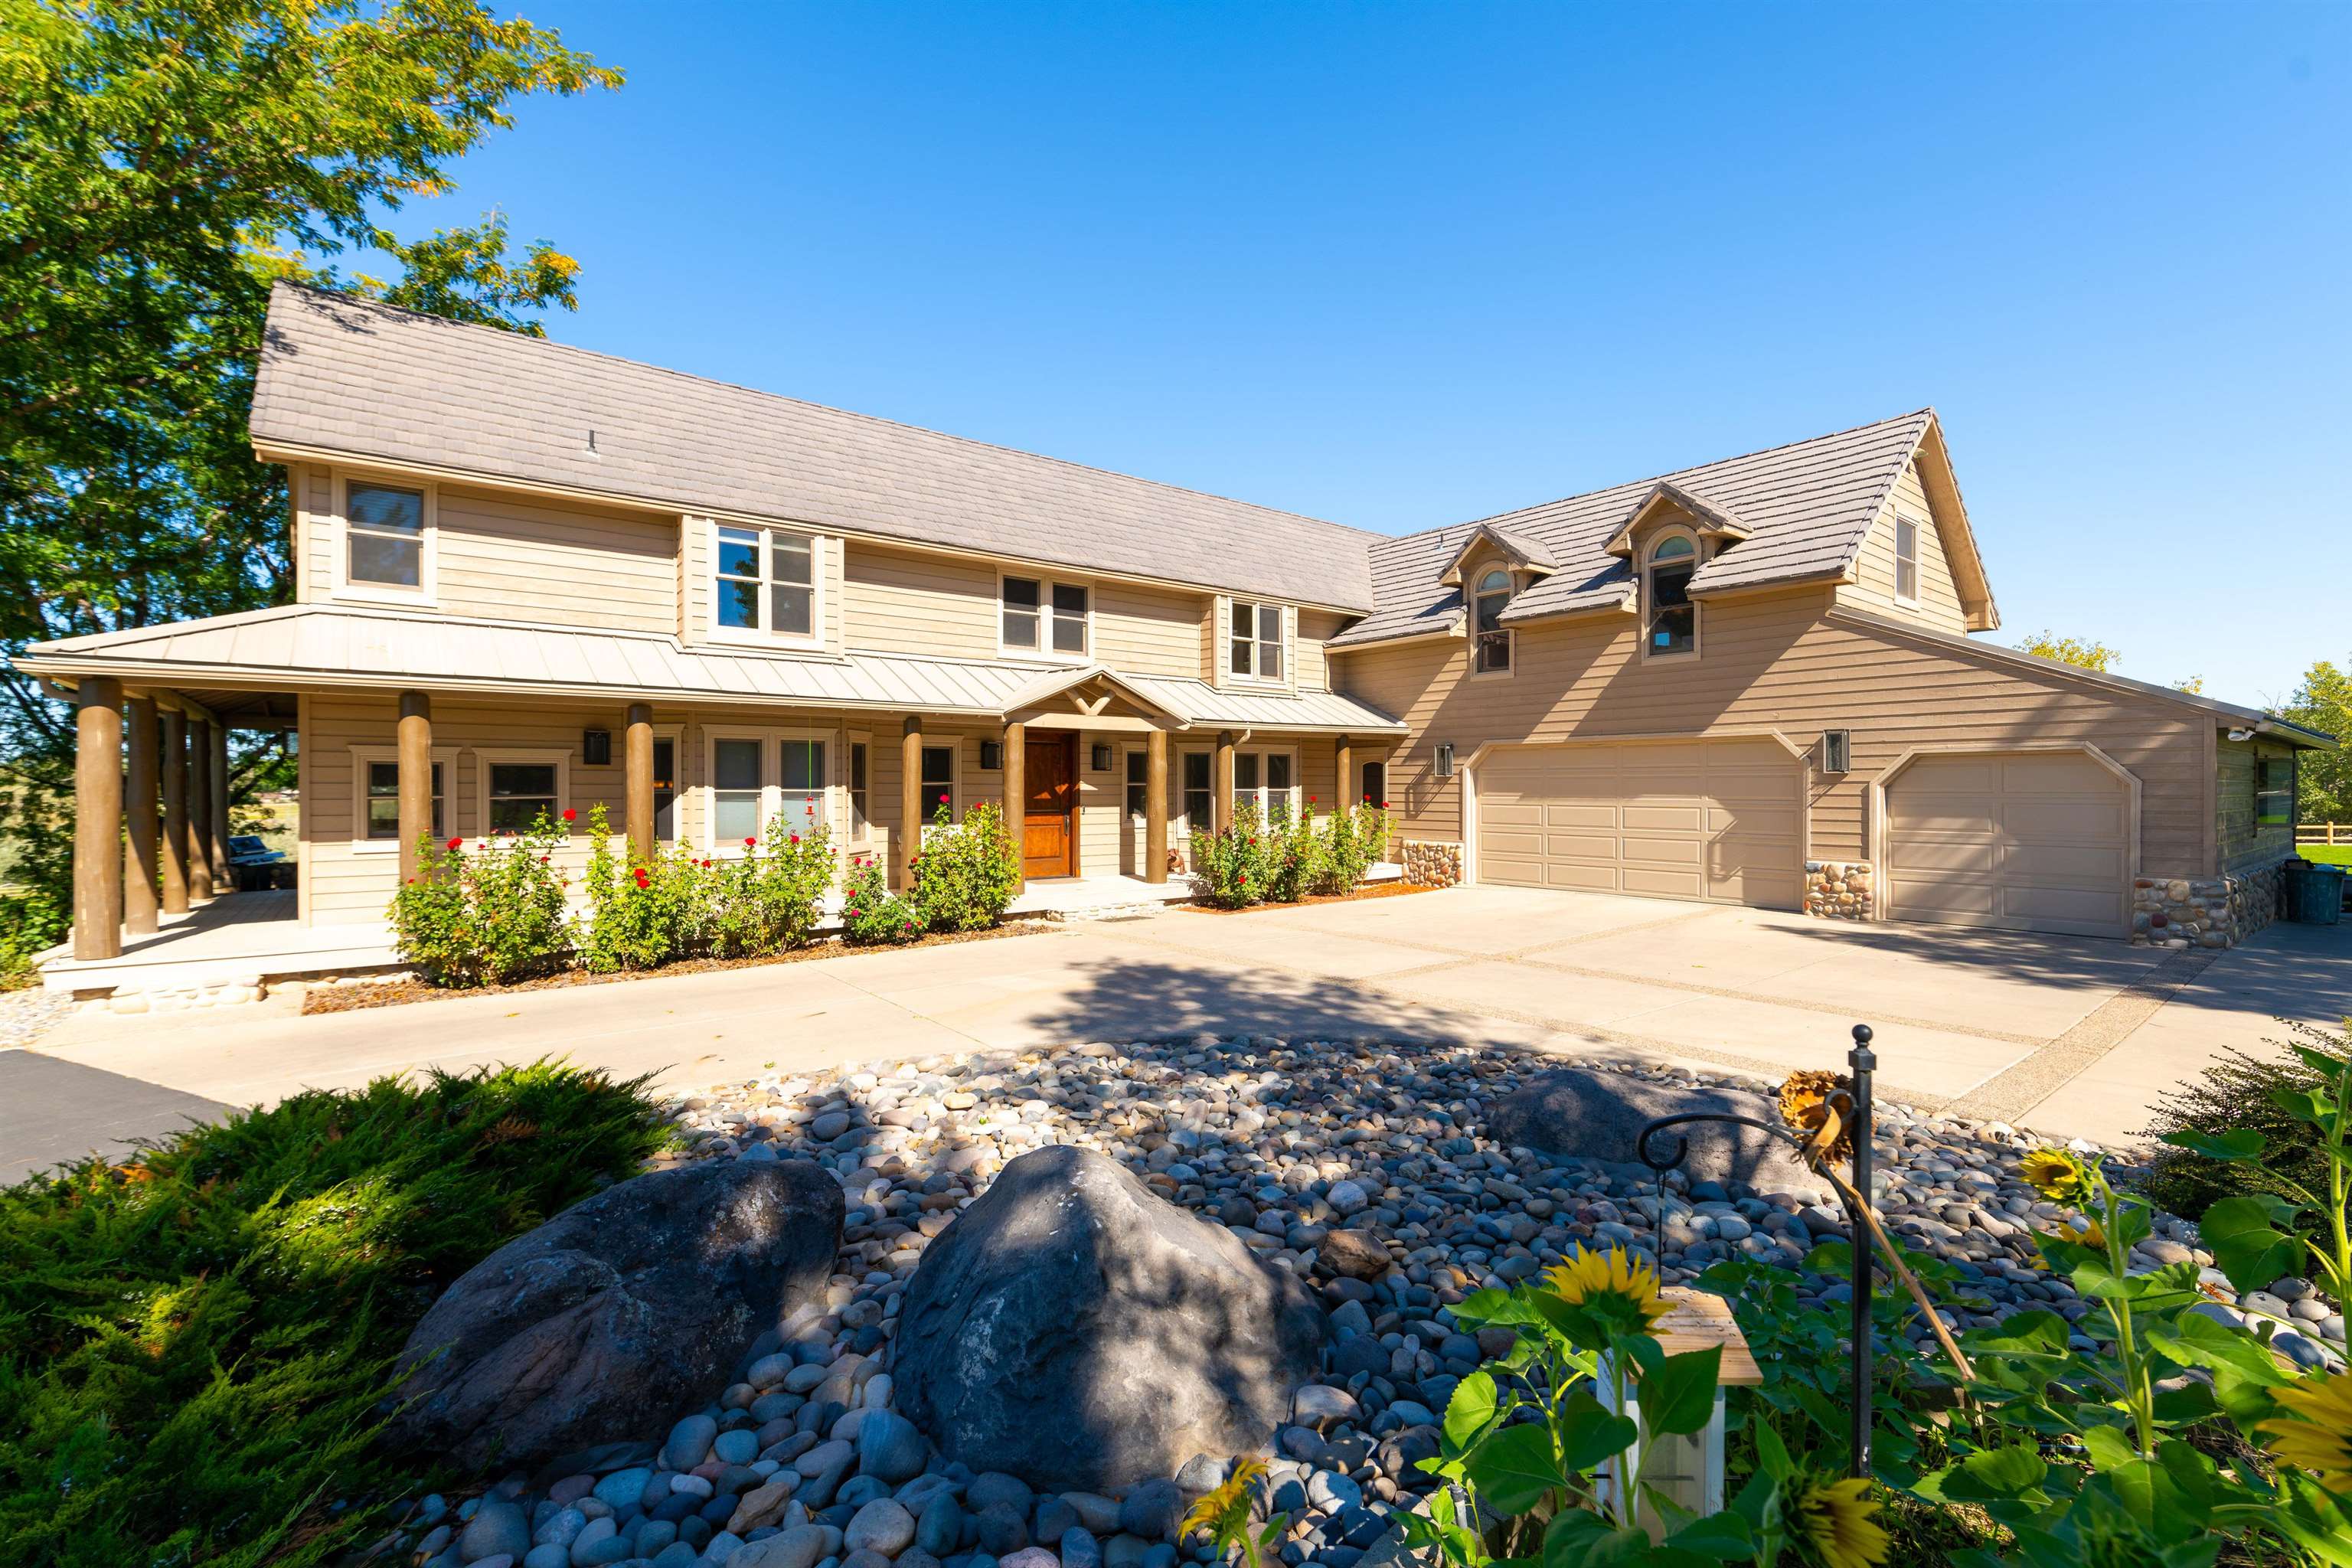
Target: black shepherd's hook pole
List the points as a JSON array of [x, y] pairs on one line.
[[1860, 1060]]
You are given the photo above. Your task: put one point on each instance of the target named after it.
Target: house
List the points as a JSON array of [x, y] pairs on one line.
[[533, 578]]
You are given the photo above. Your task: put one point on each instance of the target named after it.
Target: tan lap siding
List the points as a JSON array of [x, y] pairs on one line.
[[904, 601], [1938, 604], [1316, 628], [1150, 631], [505, 557], [2245, 843], [1774, 663]]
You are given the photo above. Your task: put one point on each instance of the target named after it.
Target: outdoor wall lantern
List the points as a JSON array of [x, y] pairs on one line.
[[1102, 757], [1446, 759], [991, 755], [1837, 750], [596, 748]]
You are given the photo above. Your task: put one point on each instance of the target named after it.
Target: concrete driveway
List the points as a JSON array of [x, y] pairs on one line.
[[2073, 1037]]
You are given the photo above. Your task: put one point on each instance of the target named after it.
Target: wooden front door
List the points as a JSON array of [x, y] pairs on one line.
[[1049, 817]]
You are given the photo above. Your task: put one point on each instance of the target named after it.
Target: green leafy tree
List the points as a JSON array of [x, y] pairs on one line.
[[2323, 701], [2082, 652], [162, 163]]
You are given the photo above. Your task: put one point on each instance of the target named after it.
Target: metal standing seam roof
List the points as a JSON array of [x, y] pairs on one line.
[[1809, 504], [329, 646], [369, 381]]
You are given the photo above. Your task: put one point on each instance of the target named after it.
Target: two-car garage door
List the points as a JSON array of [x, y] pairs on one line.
[[1719, 820]]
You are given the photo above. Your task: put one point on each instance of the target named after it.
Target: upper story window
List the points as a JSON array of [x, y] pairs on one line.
[[764, 579], [1040, 616], [1257, 640], [1494, 647], [383, 530], [1906, 560], [1674, 618]]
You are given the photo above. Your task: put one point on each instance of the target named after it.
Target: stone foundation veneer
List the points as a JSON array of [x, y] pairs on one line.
[[1838, 889], [1432, 865], [2204, 912]]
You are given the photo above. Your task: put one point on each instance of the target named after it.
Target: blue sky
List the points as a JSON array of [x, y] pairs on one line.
[[1402, 264]]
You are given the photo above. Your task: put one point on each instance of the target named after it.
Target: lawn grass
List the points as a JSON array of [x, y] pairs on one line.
[[2326, 854], [195, 1345]]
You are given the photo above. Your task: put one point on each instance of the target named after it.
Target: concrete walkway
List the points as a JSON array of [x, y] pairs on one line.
[[2073, 1037]]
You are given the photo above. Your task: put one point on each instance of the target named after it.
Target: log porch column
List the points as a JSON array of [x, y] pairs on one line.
[[414, 742], [1155, 806], [176, 812], [98, 818], [200, 811], [638, 778], [1344, 759], [143, 827], [910, 801], [1016, 801], [1223, 811], [216, 795]]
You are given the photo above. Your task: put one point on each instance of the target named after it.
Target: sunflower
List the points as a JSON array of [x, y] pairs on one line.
[[2057, 1176], [2321, 1442], [1614, 1282], [1222, 1513], [1805, 1105], [1837, 1520]]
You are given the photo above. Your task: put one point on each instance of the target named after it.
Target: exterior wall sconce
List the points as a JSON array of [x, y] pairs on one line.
[[1837, 750], [1446, 759], [991, 756], [596, 748], [1101, 757]]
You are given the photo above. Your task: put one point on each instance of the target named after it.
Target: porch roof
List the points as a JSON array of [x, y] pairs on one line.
[[315, 648]]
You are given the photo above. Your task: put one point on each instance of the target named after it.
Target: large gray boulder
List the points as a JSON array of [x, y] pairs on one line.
[[1080, 1333], [1588, 1113], [621, 1313]]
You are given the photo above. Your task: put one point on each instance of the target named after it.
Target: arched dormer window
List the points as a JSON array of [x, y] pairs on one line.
[[1493, 639], [1674, 620]]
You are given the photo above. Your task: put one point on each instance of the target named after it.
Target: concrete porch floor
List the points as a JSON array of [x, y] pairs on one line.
[[243, 937]]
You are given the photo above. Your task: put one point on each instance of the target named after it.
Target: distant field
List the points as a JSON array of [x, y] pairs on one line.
[[2326, 854]]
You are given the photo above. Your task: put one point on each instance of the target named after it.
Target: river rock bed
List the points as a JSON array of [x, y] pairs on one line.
[[1360, 1167]]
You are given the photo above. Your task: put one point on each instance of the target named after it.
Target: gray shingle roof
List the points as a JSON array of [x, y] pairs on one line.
[[1808, 505], [333, 646], [348, 377]]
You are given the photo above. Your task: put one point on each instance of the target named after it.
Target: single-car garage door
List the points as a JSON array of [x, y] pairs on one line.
[[1719, 820], [2028, 842]]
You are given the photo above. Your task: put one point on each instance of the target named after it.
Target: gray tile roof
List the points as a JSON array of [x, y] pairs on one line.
[[1808, 505], [334, 647], [370, 381]]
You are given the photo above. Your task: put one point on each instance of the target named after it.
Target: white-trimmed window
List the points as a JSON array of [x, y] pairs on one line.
[[388, 544], [861, 795], [760, 777], [1268, 779], [375, 795], [1672, 628], [1256, 639], [763, 583], [937, 782], [1906, 561], [516, 786], [1196, 795], [1137, 796], [1036, 615], [1493, 652]]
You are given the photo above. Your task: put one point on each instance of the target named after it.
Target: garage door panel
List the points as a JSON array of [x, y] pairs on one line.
[[2021, 843], [1717, 820]]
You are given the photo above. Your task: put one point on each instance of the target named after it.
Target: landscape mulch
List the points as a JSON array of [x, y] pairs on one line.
[[1374, 890], [399, 993]]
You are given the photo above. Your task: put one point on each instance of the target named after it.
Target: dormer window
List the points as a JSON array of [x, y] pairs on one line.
[[1038, 617], [1256, 640], [764, 582], [1494, 640], [1674, 618]]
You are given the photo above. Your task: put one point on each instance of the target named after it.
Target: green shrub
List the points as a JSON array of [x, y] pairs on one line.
[[487, 918], [31, 922], [1234, 869], [1355, 839], [195, 1348], [2241, 1091], [870, 912], [642, 913], [1298, 862], [769, 900], [968, 872]]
